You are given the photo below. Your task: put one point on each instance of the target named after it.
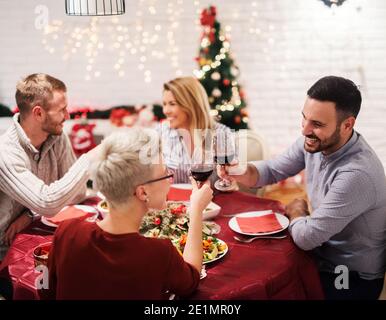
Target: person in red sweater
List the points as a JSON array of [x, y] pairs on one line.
[[110, 259]]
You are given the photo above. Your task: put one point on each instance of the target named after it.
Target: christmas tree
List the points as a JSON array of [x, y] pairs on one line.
[[218, 74]]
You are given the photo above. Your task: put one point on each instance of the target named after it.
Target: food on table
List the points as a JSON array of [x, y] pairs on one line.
[[212, 247], [169, 223], [172, 223]]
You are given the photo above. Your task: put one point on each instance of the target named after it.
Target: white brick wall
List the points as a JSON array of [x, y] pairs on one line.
[[299, 42]]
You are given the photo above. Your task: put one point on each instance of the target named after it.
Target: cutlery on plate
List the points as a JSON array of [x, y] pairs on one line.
[[250, 239]]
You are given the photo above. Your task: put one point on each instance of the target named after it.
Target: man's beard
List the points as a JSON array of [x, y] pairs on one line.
[[52, 129], [316, 145]]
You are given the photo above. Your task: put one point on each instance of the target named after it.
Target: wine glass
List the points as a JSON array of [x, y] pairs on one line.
[[225, 153], [202, 165]]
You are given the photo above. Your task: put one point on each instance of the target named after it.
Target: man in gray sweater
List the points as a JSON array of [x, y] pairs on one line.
[[38, 169], [346, 187]]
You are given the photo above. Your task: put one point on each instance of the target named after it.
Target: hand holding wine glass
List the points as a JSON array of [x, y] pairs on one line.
[[200, 197], [223, 171], [202, 165], [225, 151]]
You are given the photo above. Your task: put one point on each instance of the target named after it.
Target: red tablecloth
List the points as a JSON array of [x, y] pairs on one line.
[[263, 269]]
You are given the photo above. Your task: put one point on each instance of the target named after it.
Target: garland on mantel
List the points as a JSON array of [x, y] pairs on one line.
[[114, 113]]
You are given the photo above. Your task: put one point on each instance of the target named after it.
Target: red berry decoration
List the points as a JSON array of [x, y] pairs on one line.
[[157, 221], [226, 82]]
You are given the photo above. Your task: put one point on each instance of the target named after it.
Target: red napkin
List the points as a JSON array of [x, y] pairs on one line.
[[179, 194], [265, 223], [69, 213]]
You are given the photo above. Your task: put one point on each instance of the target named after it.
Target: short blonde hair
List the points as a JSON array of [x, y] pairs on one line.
[[126, 159], [36, 89], [191, 96]]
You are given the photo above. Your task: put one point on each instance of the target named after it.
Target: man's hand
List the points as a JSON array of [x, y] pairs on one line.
[[245, 174], [297, 208], [16, 226], [225, 171]]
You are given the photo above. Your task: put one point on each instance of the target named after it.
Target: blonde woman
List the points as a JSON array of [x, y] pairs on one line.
[[186, 106], [110, 259]]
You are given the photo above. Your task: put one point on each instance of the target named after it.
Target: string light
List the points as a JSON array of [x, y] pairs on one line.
[[115, 36], [198, 8], [265, 37], [174, 19], [212, 65]]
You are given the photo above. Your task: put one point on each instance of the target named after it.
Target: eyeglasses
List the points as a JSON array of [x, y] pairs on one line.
[[168, 176]]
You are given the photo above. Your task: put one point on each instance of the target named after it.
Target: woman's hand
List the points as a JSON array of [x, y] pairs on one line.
[[199, 200], [200, 197]]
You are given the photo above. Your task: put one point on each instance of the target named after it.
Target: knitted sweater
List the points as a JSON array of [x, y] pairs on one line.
[[43, 181]]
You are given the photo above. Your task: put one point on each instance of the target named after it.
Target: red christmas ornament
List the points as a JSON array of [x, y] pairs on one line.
[[208, 16], [237, 119], [226, 82], [82, 138]]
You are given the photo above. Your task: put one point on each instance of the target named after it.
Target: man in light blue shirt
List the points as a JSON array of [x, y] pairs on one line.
[[346, 187]]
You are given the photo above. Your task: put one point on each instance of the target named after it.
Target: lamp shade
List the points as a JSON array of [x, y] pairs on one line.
[[333, 2], [94, 7]]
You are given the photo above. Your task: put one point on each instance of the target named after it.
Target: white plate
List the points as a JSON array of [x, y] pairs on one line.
[[182, 186], [220, 255], [211, 211], [80, 207], [283, 220]]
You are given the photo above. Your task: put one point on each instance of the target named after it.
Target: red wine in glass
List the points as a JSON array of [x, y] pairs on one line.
[[201, 173], [224, 160]]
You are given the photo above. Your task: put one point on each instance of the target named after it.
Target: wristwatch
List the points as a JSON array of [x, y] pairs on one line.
[[34, 216]]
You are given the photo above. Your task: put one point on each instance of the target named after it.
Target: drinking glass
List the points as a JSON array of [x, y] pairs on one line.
[[225, 153], [202, 165]]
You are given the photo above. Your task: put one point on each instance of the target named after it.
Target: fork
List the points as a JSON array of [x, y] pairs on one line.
[[249, 240]]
